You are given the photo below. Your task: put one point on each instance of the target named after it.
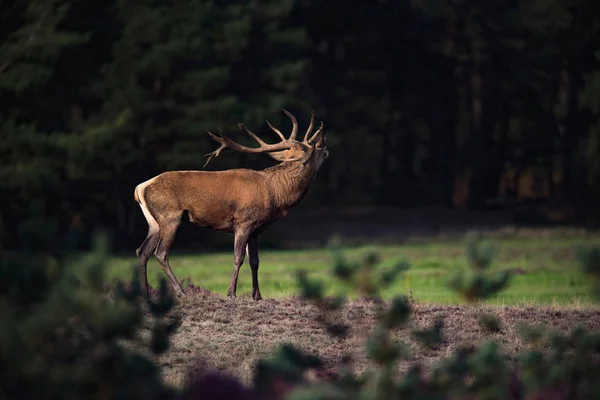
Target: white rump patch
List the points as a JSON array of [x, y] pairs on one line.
[[152, 223]]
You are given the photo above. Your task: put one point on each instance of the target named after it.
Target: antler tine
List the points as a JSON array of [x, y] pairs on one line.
[[316, 133], [225, 142], [294, 124], [218, 151], [277, 131], [310, 126], [254, 136]]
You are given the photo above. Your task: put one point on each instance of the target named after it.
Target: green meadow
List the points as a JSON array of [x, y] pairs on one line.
[[547, 270]]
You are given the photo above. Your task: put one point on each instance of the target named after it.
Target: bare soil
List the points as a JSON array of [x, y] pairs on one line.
[[231, 335]]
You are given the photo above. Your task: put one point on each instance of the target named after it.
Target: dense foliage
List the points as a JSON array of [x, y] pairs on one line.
[[98, 96]]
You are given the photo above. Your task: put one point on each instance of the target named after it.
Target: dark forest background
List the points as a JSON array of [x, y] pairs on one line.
[[456, 104]]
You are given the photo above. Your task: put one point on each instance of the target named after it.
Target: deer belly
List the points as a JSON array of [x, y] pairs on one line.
[[210, 221]]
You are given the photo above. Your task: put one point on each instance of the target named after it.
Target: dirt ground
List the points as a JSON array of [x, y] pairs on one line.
[[231, 335]]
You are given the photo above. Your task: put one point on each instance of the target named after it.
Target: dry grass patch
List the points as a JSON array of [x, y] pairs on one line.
[[231, 336]]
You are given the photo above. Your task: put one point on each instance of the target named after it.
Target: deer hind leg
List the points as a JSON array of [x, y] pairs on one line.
[[252, 251], [167, 237], [239, 251], [149, 244], [143, 253]]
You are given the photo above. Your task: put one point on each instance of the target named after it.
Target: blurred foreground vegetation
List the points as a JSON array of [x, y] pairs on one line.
[[66, 334]]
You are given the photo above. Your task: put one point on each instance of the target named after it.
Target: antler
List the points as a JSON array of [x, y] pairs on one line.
[[225, 142], [218, 151], [319, 131], [310, 126], [285, 144]]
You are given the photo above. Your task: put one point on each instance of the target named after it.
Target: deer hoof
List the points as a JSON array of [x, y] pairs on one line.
[[257, 297]]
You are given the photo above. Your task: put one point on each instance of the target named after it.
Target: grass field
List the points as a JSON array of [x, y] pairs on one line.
[[231, 336], [547, 270]]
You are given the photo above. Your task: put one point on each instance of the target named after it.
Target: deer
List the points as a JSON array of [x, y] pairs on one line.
[[241, 201]]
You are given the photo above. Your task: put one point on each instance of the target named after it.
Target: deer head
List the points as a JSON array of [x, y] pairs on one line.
[[311, 150]]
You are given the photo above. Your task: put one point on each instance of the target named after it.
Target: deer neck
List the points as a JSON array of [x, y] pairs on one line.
[[289, 182]]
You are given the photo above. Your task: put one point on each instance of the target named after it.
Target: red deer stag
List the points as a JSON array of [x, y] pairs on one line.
[[241, 201]]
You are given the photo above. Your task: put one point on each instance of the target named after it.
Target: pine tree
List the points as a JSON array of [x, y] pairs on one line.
[[31, 42]]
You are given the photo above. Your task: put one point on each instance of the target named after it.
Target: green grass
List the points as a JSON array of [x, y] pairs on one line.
[[549, 271]]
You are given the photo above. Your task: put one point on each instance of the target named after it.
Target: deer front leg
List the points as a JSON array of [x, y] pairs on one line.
[[252, 250], [239, 250]]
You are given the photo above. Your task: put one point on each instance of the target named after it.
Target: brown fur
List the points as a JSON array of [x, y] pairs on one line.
[[242, 201]]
